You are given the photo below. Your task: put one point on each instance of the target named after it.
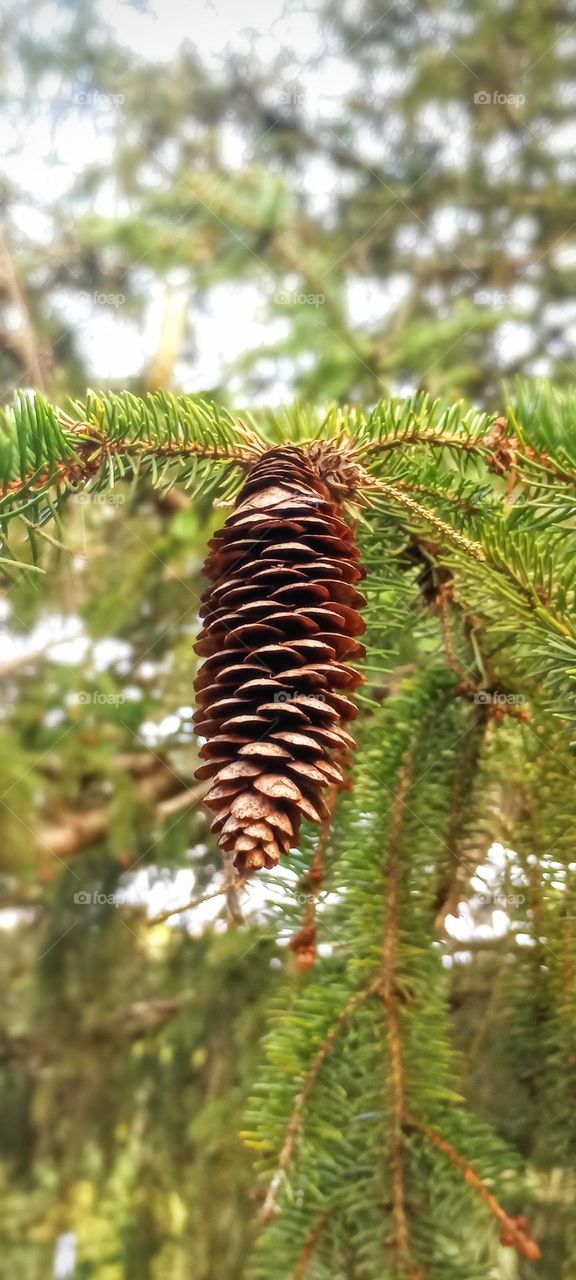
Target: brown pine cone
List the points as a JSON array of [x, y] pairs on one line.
[[280, 619]]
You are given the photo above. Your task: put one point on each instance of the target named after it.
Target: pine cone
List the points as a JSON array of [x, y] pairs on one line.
[[279, 624]]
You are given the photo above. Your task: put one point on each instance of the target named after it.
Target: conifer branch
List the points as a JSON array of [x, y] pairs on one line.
[[303, 943], [389, 993], [47, 453], [416, 434], [517, 1236], [236, 883], [310, 1246], [449, 536], [270, 1209]]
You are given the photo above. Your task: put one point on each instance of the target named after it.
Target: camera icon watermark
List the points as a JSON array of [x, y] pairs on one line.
[[283, 696]]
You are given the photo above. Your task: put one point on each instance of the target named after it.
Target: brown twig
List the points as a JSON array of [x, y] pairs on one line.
[[444, 598], [303, 943], [270, 1208], [516, 1234], [422, 435], [462, 862], [236, 884], [389, 994], [310, 1246], [21, 341]]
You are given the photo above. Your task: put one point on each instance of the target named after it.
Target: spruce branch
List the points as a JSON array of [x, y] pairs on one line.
[[303, 943], [47, 453], [517, 1235], [270, 1209], [449, 536], [311, 1244], [389, 994]]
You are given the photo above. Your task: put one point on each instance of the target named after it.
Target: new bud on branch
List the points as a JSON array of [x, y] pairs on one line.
[[280, 626]]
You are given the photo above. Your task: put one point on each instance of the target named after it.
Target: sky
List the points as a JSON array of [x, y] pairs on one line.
[[234, 317]]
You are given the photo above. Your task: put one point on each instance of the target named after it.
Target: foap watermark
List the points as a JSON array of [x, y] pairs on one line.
[[93, 897], [105, 499], [85, 698], [489, 98], [500, 899], [492, 298], [290, 96], [99, 299], [97, 100], [299, 299], [485, 698], [284, 696]]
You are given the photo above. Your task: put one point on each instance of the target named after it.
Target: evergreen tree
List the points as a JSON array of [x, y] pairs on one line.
[[372, 1112]]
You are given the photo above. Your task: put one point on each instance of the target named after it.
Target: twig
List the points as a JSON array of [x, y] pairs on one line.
[[237, 884], [445, 622], [310, 1246], [23, 340], [388, 991], [270, 1209], [450, 535], [517, 1235], [422, 435], [93, 449], [303, 944]]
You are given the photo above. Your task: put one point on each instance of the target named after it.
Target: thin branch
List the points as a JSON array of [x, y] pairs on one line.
[[181, 801], [310, 1246], [270, 1209], [516, 1234], [388, 991], [22, 341], [303, 943], [448, 534], [444, 603], [237, 883], [421, 435], [90, 456], [462, 861]]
